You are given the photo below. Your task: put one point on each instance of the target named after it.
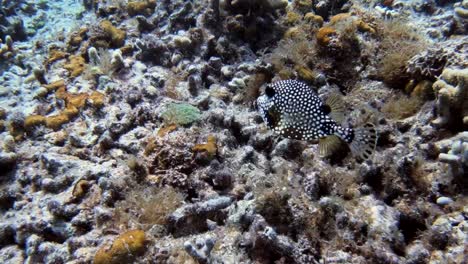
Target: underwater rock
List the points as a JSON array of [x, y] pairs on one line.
[[196, 214], [326, 8], [7, 161], [201, 249], [457, 155]]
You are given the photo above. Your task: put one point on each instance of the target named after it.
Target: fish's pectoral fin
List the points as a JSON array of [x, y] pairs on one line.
[[336, 106], [328, 145], [273, 117]]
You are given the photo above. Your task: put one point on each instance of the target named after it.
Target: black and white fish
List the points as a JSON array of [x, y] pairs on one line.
[[293, 110]]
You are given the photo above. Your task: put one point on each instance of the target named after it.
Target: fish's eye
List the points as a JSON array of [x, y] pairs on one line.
[[269, 91]]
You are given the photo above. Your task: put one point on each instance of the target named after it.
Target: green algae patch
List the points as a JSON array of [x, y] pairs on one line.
[[180, 114]]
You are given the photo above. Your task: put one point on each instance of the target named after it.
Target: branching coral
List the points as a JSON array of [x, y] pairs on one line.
[[201, 249], [457, 156], [452, 98], [6, 50]]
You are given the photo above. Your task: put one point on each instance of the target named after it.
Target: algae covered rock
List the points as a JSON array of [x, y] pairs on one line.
[[123, 250], [180, 114]]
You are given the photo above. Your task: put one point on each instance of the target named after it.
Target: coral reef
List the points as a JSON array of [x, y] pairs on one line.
[[129, 132]]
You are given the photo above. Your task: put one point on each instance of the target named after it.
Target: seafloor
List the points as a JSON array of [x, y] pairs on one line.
[[129, 132]]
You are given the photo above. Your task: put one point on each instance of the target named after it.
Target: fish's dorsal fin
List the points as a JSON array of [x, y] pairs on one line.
[[337, 107], [328, 145]]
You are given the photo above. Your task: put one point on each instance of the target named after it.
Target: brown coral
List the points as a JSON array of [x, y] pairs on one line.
[[97, 99], [210, 147], [357, 23], [141, 8], [313, 18], [163, 131], [324, 35], [33, 121], [55, 122], [75, 65], [123, 250], [305, 73], [54, 56], [55, 85], [77, 37], [116, 36]]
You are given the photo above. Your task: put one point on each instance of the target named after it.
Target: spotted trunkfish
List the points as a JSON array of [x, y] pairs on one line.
[[293, 110]]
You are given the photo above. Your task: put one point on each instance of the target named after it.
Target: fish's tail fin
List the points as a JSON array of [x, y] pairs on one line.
[[364, 141]]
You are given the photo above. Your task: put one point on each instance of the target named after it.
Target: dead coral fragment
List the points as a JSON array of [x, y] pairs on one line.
[[123, 250], [75, 65], [117, 36], [210, 147]]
